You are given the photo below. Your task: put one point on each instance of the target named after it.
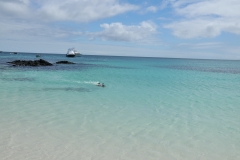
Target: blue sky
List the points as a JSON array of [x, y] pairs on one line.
[[208, 29]]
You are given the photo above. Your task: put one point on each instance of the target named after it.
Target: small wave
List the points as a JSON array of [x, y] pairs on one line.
[[88, 82]]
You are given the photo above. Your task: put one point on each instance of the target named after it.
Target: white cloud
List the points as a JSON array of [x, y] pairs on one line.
[[144, 32], [120, 32], [221, 8], [28, 19], [61, 10], [204, 27], [84, 11], [206, 45], [152, 9], [31, 31], [14, 8], [206, 18]]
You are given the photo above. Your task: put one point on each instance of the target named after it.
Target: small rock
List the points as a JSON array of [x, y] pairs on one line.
[[64, 62], [39, 62]]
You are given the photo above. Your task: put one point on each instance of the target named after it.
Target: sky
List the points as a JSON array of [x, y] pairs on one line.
[[205, 29]]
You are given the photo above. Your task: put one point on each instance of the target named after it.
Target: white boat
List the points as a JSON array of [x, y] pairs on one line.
[[77, 53], [70, 53]]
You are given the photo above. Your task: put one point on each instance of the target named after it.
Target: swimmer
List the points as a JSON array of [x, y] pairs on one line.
[[100, 85]]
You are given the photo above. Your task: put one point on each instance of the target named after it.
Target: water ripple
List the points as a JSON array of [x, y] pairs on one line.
[[202, 69], [19, 79], [78, 89]]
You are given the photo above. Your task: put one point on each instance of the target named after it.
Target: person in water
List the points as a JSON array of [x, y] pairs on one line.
[[100, 85]]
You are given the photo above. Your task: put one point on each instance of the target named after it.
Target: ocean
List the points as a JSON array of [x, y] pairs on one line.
[[150, 109]]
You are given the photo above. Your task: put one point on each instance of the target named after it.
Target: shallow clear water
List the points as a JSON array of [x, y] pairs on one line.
[[151, 108]]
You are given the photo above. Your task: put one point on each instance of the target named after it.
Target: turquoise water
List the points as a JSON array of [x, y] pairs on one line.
[[150, 109]]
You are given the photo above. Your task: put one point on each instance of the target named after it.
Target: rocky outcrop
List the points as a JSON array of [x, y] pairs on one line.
[[39, 62], [64, 62]]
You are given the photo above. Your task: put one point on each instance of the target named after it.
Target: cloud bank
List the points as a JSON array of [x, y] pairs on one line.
[[205, 18], [131, 33], [61, 10]]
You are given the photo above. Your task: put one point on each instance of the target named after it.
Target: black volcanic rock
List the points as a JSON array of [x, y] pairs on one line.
[[39, 62], [64, 62]]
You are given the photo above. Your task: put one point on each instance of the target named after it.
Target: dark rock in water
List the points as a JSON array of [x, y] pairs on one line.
[[64, 62], [39, 62]]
